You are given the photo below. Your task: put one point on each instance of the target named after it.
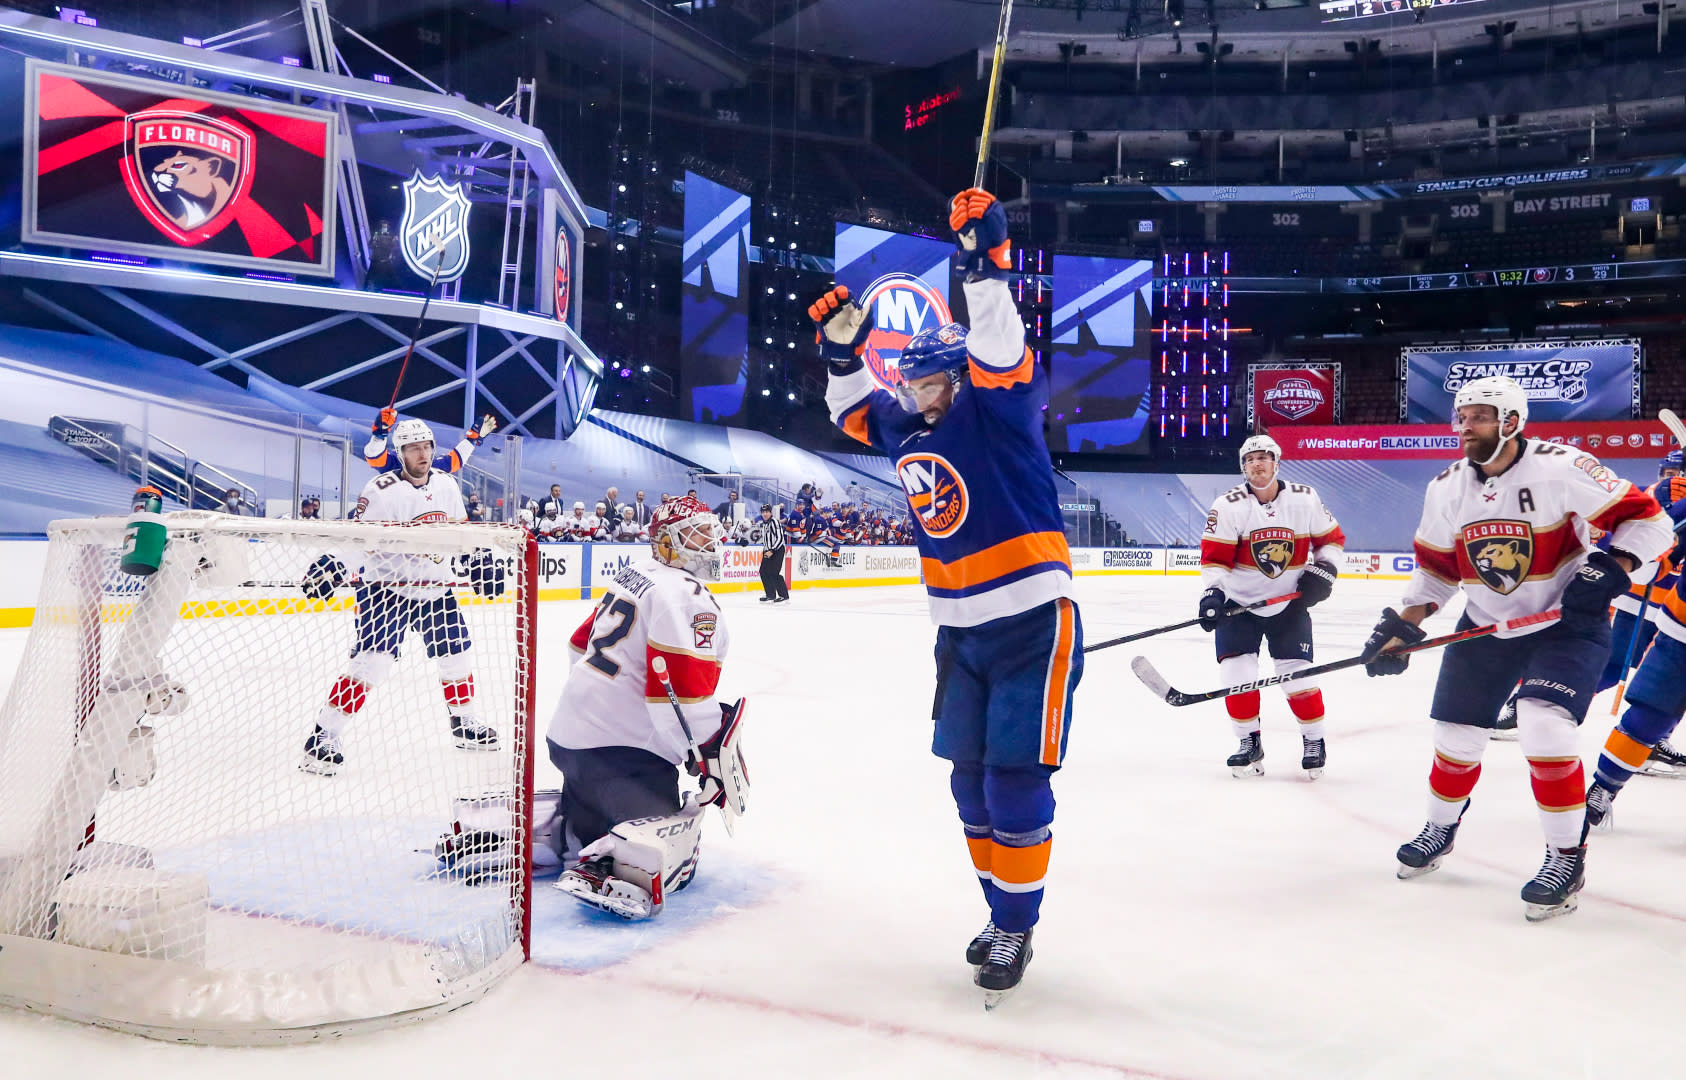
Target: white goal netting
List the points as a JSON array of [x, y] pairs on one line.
[[185, 853]]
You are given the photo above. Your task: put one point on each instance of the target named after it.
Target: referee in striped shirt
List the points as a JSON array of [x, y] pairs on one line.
[[772, 557]]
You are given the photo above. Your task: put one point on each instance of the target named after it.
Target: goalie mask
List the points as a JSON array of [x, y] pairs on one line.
[[685, 533]]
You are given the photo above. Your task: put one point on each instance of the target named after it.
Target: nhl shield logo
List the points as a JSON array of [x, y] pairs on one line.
[[188, 174], [1500, 553], [1273, 550], [901, 305], [434, 232]]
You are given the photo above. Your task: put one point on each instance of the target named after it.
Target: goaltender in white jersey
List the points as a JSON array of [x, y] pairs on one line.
[[618, 738]]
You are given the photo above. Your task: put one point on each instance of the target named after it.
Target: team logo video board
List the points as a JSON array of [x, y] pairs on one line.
[[121, 164], [902, 280]]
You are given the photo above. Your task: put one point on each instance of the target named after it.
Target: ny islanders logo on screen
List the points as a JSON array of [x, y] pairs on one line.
[[901, 305], [187, 173], [936, 493], [564, 277]]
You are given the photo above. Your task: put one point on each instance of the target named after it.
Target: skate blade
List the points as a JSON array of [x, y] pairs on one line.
[[470, 744], [1406, 873], [614, 905], [1605, 824], [1506, 735], [1313, 774], [1542, 912], [1246, 770], [992, 998], [314, 767], [1664, 772]]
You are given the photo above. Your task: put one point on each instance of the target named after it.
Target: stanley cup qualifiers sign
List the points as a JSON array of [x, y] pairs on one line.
[[1293, 392]]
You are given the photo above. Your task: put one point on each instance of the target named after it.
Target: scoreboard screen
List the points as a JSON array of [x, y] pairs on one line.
[[1338, 10]]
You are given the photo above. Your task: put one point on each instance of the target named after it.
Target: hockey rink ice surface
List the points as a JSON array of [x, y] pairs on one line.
[[1196, 925]]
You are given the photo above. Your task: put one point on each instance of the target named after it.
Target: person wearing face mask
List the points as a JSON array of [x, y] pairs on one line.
[[1265, 539]]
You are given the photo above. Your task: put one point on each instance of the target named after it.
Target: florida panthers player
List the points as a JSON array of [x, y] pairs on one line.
[[379, 459], [1265, 539], [964, 428], [394, 596], [1509, 526], [615, 737]]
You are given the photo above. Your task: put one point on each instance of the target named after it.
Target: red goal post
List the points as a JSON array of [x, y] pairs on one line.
[[167, 869]]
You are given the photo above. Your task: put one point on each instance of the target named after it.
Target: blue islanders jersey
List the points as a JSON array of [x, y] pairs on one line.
[[990, 535]]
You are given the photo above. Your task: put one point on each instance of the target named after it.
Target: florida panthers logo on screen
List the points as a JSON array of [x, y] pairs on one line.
[[936, 493], [1500, 553], [1273, 550], [901, 305], [187, 173]]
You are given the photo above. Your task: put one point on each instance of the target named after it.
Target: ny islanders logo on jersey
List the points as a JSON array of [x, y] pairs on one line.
[[1500, 552], [901, 305], [936, 493], [1273, 550]]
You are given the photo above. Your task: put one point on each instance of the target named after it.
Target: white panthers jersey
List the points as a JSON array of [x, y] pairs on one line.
[[390, 497], [1255, 550], [611, 697], [1511, 542], [583, 527]]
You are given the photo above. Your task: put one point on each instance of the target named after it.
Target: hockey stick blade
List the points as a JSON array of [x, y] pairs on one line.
[[1172, 696], [1186, 623], [1671, 420]]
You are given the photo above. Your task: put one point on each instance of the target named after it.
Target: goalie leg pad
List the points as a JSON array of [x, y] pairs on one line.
[[482, 846], [630, 871]]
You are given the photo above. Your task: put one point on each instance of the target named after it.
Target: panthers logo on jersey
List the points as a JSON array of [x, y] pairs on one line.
[[936, 493], [1273, 550], [1500, 552]]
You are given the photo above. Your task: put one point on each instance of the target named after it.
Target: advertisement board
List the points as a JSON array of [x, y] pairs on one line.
[[1293, 392], [1564, 380], [1402, 442], [115, 163]]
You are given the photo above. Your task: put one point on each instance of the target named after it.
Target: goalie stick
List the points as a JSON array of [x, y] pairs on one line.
[[1156, 682], [658, 665], [1233, 610]]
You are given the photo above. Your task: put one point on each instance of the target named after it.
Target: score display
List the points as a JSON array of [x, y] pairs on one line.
[[1340, 10]]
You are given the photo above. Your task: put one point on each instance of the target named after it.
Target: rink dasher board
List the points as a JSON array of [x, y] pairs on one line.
[[582, 571]]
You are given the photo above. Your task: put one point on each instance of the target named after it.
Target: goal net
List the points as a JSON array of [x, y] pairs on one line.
[[181, 857]]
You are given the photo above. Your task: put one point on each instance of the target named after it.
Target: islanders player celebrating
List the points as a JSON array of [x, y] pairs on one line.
[[1265, 539], [964, 427], [381, 460]]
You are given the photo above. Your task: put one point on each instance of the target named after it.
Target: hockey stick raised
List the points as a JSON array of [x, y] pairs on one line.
[[1156, 682], [658, 665], [427, 298], [1001, 29], [1232, 610]]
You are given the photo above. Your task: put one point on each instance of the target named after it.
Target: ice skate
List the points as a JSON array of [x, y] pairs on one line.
[[1505, 728], [1245, 760], [1598, 802], [1554, 890], [1001, 973], [322, 755], [1433, 844], [1665, 761], [1314, 758], [978, 951], [471, 734], [592, 882]]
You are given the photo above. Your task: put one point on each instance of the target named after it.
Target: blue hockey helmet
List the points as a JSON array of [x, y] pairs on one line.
[[1675, 459], [931, 351]]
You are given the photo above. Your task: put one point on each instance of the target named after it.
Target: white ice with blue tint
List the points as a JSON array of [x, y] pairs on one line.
[[1196, 925]]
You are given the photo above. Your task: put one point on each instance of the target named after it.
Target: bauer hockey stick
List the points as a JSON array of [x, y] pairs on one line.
[[994, 85], [1127, 638], [658, 664], [427, 298], [1156, 682]]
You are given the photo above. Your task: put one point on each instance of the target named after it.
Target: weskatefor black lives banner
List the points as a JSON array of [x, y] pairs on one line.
[[139, 166]]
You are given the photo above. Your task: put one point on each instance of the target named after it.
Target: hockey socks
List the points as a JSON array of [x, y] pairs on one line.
[[1629, 745], [1006, 814], [1308, 710]]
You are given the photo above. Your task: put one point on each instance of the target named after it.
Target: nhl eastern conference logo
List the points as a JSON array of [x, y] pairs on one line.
[[1294, 398], [1501, 553], [188, 174], [1273, 550], [901, 305]]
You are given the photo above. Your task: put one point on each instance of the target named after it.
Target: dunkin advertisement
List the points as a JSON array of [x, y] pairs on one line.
[[1293, 392], [122, 164]]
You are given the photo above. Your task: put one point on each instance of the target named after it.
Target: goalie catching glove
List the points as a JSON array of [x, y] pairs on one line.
[[325, 575], [980, 232], [843, 329]]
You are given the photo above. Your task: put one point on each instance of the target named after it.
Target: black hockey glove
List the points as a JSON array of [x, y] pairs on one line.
[[485, 573], [324, 576], [1317, 582], [1586, 601], [1212, 605], [843, 329], [1390, 628]]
